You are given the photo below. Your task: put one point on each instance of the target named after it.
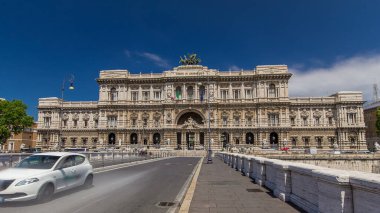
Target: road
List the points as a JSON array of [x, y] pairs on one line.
[[133, 189]]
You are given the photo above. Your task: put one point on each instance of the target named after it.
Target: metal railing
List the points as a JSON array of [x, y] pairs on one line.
[[101, 159]]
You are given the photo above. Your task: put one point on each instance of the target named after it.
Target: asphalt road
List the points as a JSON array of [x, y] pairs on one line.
[[133, 189]]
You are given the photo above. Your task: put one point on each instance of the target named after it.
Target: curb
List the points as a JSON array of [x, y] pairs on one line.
[[185, 206]]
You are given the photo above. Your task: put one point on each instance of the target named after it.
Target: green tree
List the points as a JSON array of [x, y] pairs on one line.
[[378, 120], [13, 118]]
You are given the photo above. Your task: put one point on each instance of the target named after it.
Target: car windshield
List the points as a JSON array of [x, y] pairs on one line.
[[38, 162]]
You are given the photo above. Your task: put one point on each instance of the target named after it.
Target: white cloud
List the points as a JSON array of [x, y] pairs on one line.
[[234, 68], [152, 57], [128, 53], [156, 59], [352, 74]]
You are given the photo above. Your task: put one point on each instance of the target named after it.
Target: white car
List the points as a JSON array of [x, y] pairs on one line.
[[41, 175]]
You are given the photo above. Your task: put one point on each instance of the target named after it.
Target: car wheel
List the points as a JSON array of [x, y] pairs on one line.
[[45, 193], [88, 181]]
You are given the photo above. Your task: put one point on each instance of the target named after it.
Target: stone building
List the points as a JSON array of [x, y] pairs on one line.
[[370, 122], [187, 106], [25, 139]]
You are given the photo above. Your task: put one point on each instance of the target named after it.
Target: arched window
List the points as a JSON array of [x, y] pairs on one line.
[[113, 94], [156, 138], [249, 138], [190, 92], [134, 138], [272, 91], [202, 93], [178, 93]]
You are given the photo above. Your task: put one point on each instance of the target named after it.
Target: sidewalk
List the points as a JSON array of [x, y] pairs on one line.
[[221, 188]]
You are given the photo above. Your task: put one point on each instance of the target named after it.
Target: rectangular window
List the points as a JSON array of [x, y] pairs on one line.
[[135, 96], [85, 123], [224, 94], [316, 121], [294, 142], [157, 95], [319, 141], [330, 121], [351, 118], [112, 121], [331, 141], [47, 122], [249, 121], [133, 122], [292, 121], [146, 95], [64, 123], [145, 122], [236, 93], [96, 122], [237, 121], [75, 123], [248, 94], [156, 122], [304, 121], [273, 119], [224, 121], [306, 141]]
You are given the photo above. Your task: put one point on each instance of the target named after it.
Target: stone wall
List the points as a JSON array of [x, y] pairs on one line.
[[312, 188]]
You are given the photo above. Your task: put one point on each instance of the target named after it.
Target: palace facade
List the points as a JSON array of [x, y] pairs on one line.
[[192, 105]]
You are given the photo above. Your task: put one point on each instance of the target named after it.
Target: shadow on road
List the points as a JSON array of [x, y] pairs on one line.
[[34, 202]]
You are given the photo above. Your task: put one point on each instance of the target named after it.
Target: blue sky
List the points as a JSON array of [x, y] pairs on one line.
[[42, 42]]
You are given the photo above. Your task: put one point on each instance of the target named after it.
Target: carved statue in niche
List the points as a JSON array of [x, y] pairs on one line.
[[211, 92], [96, 116], [75, 117], [169, 92], [190, 123], [169, 117], [65, 117]]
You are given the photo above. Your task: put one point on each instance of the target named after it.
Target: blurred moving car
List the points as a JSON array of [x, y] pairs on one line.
[[41, 175]]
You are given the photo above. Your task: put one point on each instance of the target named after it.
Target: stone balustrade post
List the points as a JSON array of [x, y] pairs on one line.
[[334, 191], [258, 173], [239, 159], [270, 174], [283, 180], [304, 187], [247, 165], [365, 192], [251, 168]]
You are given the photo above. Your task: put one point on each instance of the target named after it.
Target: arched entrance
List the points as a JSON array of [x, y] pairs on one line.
[[134, 138], [273, 139], [111, 139], [225, 138], [191, 124], [249, 138], [156, 138], [196, 117]]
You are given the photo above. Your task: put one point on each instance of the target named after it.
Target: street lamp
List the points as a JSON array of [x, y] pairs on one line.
[[71, 87], [209, 159]]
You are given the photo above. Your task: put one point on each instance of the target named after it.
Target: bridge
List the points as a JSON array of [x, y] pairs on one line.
[[167, 182]]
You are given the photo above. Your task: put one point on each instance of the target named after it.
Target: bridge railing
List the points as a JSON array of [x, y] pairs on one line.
[[101, 159], [312, 188]]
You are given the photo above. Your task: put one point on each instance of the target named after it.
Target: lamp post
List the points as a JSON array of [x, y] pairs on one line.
[[71, 87], [209, 152]]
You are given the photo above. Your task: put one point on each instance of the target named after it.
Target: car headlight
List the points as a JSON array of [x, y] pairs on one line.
[[27, 181]]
